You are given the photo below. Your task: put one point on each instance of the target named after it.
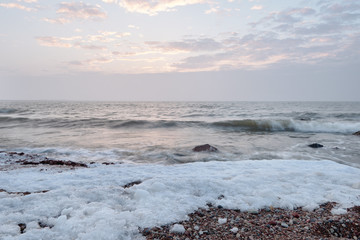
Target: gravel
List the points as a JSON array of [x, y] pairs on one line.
[[268, 223]]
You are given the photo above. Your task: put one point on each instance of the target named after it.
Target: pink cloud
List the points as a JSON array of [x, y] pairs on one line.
[[17, 6]]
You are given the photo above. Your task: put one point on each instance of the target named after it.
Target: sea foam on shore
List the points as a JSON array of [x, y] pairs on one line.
[[93, 203]]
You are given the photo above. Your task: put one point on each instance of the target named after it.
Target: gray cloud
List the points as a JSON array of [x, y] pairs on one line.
[[191, 45], [328, 34]]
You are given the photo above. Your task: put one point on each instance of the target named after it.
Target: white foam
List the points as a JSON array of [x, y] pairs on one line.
[[92, 204], [325, 127]]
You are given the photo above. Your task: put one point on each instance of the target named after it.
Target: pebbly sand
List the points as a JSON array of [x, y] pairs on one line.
[[217, 223]]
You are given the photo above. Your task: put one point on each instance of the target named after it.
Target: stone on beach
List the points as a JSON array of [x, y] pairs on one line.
[[222, 220], [177, 228], [205, 147], [316, 145]]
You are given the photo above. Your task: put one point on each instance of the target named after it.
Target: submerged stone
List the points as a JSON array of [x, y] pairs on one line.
[[357, 133], [205, 148], [316, 145]]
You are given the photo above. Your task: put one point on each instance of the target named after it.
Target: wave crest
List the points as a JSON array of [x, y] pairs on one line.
[[271, 125]]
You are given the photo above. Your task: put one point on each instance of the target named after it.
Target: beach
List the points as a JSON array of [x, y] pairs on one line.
[[124, 201], [112, 170]]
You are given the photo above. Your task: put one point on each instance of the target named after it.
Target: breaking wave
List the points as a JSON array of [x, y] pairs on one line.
[[90, 123], [252, 125], [290, 126]]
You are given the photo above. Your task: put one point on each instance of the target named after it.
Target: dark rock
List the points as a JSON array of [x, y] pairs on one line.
[[221, 197], [146, 232], [205, 148], [209, 204], [316, 145], [357, 133], [108, 163], [132, 184], [45, 225], [22, 227]]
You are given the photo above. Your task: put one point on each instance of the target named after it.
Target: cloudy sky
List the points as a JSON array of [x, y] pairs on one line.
[[180, 50]]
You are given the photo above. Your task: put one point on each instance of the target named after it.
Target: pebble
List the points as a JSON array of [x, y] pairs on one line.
[[197, 228], [283, 224], [254, 211], [222, 220], [234, 230], [273, 223], [178, 228]]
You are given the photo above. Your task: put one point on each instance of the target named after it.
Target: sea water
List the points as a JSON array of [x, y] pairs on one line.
[[166, 132]]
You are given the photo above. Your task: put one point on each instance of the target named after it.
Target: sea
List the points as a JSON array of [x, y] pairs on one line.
[[166, 132]]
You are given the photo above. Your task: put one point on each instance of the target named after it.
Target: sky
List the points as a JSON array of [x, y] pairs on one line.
[[180, 50]]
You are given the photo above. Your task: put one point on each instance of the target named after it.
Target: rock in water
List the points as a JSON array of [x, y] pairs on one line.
[[205, 147], [316, 145], [357, 133]]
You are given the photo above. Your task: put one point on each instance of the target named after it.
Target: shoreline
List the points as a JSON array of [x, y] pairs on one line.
[[47, 198]]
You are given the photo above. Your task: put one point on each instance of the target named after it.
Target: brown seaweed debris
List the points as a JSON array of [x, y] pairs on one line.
[[55, 162], [23, 193], [128, 185]]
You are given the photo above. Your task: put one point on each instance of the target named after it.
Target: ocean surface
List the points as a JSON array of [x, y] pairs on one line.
[[166, 132]]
